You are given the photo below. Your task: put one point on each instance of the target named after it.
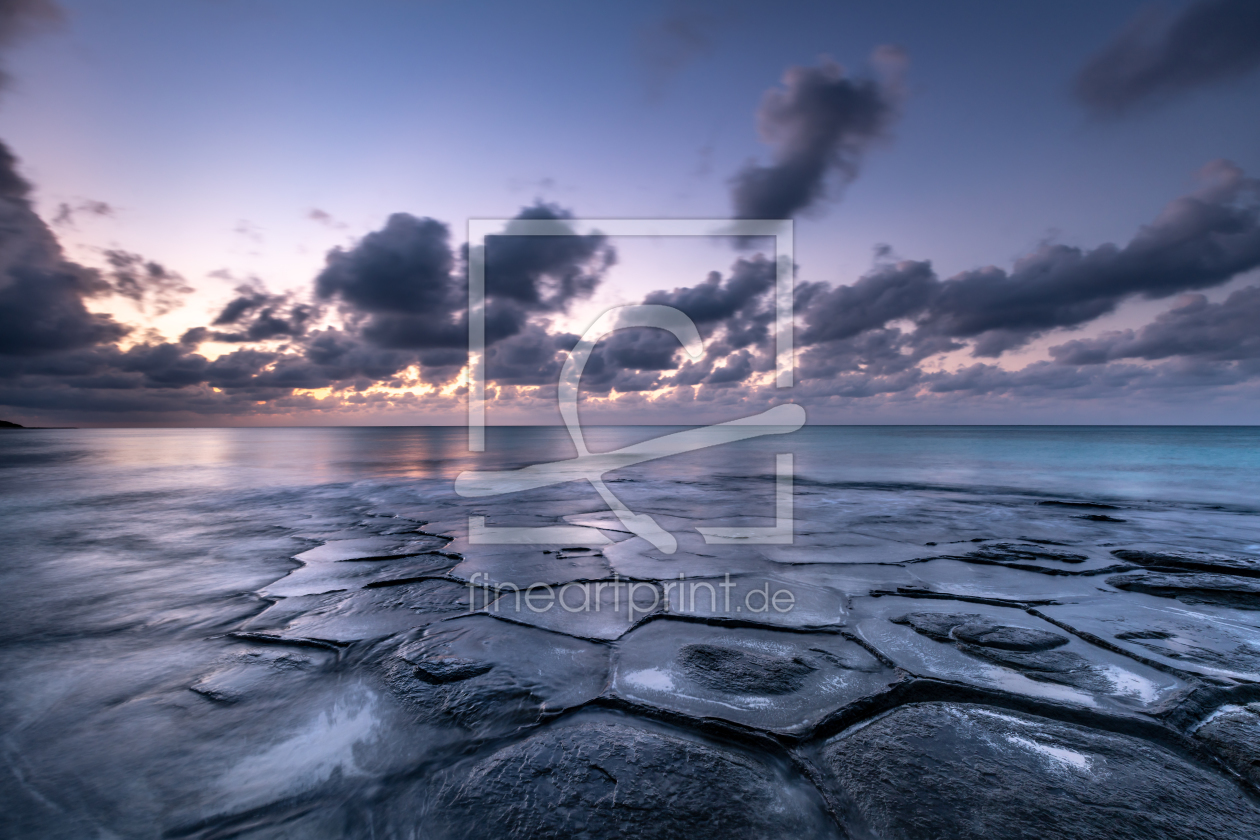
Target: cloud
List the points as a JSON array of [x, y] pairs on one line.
[[66, 213], [1223, 331], [401, 296], [820, 122], [42, 293], [740, 305], [679, 37], [889, 293], [19, 18], [259, 315], [1198, 241], [545, 273], [325, 218], [531, 357], [400, 288], [145, 281], [397, 285], [737, 368], [1156, 58]]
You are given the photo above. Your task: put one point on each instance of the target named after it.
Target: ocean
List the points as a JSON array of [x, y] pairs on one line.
[[167, 668]]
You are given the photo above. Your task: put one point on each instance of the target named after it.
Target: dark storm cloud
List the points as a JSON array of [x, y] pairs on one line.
[[1155, 58], [545, 273], [531, 357], [1195, 328], [400, 287], [1116, 381], [741, 305], [41, 293], [821, 121], [56, 355], [158, 365], [259, 315], [877, 352], [715, 299], [401, 278], [1198, 241], [737, 368], [889, 293], [640, 349], [145, 281]]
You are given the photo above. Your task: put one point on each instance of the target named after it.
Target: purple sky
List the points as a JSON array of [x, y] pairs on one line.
[[219, 212]]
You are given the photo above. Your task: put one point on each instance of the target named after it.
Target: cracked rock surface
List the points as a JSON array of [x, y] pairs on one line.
[[947, 770]]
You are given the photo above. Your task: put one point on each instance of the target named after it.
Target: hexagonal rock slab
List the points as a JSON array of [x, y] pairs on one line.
[[764, 679], [1009, 650], [945, 771], [364, 614], [1193, 587], [602, 609], [1198, 561], [489, 677], [756, 599], [1233, 733], [1210, 640], [603, 778]]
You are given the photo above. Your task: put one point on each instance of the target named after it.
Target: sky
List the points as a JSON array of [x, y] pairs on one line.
[[255, 212]]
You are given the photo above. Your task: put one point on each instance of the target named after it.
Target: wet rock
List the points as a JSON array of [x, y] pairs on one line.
[[1233, 733], [1170, 644], [1100, 517], [974, 630], [946, 771], [1210, 640], [1059, 666], [524, 566], [492, 704], [1008, 638], [371, 548], [609, 779], [1028, 583], [1010, 650], [783, 600], [491, 677], [255, 671], [1025, 649], [936, 625], [1198, 561], [448, 669], [763, 679], [1025, 553], [744, 671], [1193, 587], [378, 613], [320, 577], [600, 609]]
